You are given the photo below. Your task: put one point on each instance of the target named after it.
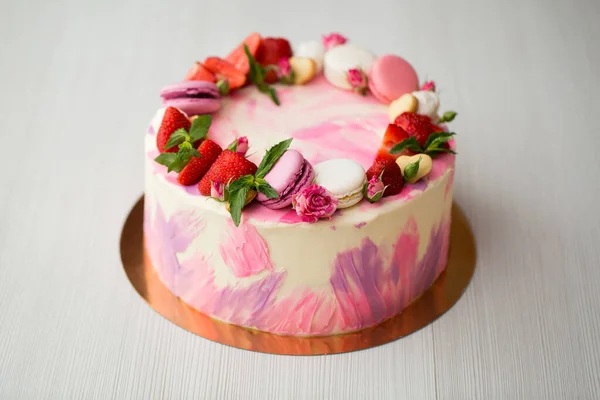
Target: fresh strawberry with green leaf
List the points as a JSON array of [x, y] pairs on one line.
[[224, 70], [238, 57], [184, 141], [425, 137], [416, 125], [173, 121], [390, 174], [196, 168], [241, 187], [227, 167], [393, 135], [270, 51]]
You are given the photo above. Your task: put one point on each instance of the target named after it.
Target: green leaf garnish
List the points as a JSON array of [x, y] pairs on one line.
[[411, 170], [447, 117], [199, 128], [257, 76], [177, 137], [271, 157], [411, 143], [437, 138], [263, 187], [244, 181], [165, 158], [237, 201], [440, 150]]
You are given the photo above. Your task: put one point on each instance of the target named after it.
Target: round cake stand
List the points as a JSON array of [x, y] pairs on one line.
[[438, 299]]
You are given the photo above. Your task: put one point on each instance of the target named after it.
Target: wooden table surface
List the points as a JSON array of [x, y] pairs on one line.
[[79, 81]]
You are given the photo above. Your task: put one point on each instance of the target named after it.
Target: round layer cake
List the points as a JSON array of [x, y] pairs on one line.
[[274, 272]]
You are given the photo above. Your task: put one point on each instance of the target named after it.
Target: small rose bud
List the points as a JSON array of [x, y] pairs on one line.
[[217, 191], [332, 40], [430, 86], [242, 145], [358, 80], [374, 189]]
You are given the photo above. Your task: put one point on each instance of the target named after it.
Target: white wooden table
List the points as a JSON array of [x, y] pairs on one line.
[[79, 81]]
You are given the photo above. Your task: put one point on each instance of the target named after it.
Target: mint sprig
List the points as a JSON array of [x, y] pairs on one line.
[[271, 157], [239, 188], [177, 161], [257, 77], [433, 145]]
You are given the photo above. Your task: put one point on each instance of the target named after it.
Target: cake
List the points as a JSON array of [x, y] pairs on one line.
[[310, 194]]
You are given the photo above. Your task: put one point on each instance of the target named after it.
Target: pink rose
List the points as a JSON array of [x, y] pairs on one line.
[[358, 80], [332, 40], [374, 189], [217, 191], [242, 145], [284, 69], [430, 85], [314, 203]]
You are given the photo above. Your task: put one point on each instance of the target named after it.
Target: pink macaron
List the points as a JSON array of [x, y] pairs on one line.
[[290, 174], [192, 97], [390, 77]]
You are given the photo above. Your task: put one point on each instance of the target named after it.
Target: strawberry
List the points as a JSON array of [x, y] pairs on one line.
[[172, 121], [270, 51], [238, 57], [199, 73], [196, 168], [224, 70], [417, 126], [392, 176], [227, 167]]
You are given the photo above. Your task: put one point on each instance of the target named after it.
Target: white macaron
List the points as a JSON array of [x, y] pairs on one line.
[[429, 103], [342, 58], [344, 178], [311, 49]]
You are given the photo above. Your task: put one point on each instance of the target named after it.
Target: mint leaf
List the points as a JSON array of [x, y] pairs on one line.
[[237, 201], [411, 143], [263, 187], [176, 138], [244, 181], [410, 171], [264, 88], [223, 86], [271, 157], [447, 117], [257, 76], [199, 128], [438, 135], [440, 150], [165, 158], [194, 153]]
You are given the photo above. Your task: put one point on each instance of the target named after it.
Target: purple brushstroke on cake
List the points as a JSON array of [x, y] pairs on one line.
[[360, 225], [364, 288]]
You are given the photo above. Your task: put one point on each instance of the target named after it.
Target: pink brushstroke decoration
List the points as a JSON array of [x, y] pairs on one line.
[[365, 287], [244, 250]]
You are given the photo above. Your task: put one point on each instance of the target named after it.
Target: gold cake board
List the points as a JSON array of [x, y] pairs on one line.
[[442, 295]]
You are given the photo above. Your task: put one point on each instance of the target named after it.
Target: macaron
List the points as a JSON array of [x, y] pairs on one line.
[[390, 77], [311, 49], [342, 58], [290, 174], [192, 97], [344, 178]]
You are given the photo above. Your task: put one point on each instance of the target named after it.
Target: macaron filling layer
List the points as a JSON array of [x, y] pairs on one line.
[[303, 178], [191, 93]]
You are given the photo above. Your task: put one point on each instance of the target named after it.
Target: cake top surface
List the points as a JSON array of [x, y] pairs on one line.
[[337, 114]]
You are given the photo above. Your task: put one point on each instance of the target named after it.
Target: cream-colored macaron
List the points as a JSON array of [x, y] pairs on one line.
[[342, 177], [340, 59]]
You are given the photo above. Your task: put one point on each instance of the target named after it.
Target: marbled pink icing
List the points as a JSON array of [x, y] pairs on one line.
[[244, 250], [365, 287]]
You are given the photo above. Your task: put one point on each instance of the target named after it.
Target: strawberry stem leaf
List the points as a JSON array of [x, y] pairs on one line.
[[411, 143]]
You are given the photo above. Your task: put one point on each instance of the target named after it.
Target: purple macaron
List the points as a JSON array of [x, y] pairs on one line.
[[290, 174], [192, 97]]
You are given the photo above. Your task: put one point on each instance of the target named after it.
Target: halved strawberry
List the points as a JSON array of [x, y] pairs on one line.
[[227, 167], [238, 57], [196, 168], [417, 126], [198, 72], [392, 176], [393, 135], [271, 50], [225, 70], [172, 121]]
